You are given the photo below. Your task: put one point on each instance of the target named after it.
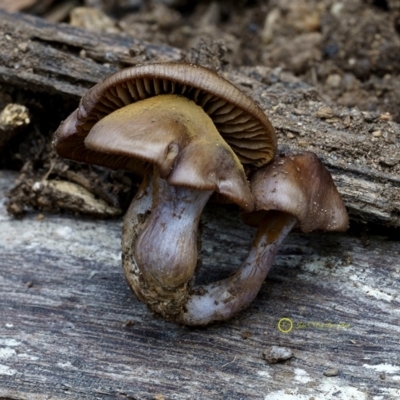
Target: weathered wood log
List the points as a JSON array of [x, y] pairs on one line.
[[70, 328], [58, 58], [362, 150]]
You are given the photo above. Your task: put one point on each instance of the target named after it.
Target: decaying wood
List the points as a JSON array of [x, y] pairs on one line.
[[362, 150], [58, 58], [70, 328]]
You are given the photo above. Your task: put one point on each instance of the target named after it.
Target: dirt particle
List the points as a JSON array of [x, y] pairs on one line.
[[331, 372], [347, 121], [290, 135], [303, 143], [23, 47], [246, 334], [324, 113], [386, 116], [275, 354], [334, 81], [40, 217], [389, 161], [128, 323]]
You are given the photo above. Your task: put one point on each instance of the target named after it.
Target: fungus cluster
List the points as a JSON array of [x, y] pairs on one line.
[[189, 133]]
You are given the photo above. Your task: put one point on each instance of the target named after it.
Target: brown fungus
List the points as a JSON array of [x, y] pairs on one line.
[[292, 189], [187, 131], [242, 124]]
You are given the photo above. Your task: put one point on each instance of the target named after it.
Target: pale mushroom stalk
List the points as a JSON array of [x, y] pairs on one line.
[[166, 249], [223, 299]]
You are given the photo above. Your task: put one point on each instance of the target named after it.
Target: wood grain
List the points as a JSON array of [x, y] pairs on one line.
[[70, 328]]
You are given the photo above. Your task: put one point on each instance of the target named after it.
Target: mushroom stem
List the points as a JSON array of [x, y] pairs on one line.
[[160, 243], [166, 249], [221, 300]]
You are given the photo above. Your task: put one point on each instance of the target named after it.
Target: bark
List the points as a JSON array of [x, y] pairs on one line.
[[70, 328]]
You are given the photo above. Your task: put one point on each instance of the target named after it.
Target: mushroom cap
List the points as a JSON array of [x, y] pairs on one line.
[[239, 120], [301, 186], [175, 135]]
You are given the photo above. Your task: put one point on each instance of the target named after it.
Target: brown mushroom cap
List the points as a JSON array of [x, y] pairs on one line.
[[174, 134], [301, 186], [239, 120]]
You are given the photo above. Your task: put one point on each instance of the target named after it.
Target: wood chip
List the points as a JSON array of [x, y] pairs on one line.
[[275, 354], [331, 372], [324, 113]]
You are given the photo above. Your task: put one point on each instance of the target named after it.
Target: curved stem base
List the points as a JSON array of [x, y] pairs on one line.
[[221, 300]]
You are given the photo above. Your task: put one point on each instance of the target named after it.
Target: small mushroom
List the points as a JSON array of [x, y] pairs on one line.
[[292, 189], [187, 131]]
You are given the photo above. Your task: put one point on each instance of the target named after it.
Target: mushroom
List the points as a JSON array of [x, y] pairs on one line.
[[187, 131], [293, 189]]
